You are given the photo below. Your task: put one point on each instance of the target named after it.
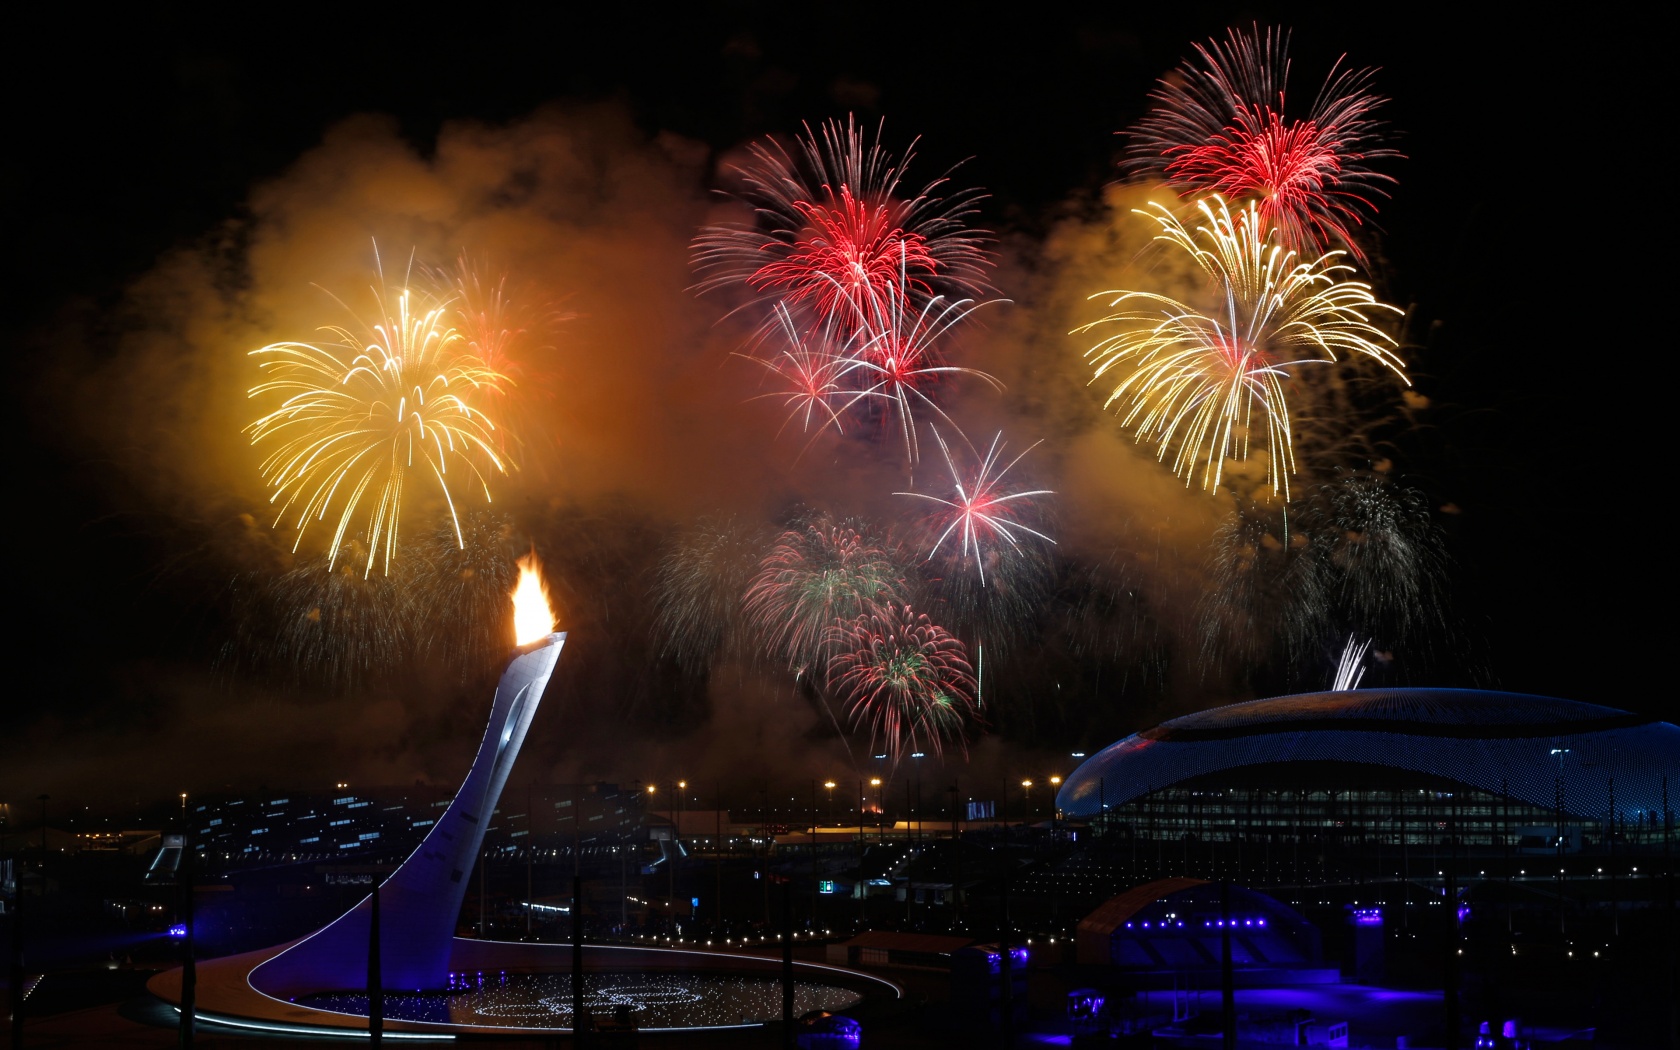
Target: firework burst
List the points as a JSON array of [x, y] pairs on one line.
[[832, 226], [980, 514], [1362, 557], [464, 572], [812, 578], [811, 375], [360, 414], [320, 625], [1220, 124], [905, 678], [698, 587], [898, 361], [1198, 385]]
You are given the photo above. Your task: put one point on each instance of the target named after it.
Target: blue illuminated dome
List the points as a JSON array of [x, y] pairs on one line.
[[1519, 746]]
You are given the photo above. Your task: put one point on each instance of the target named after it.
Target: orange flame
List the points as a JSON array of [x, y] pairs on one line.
[[533, 616]]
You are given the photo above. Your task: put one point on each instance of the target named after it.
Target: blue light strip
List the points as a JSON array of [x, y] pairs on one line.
[[298, 1029]]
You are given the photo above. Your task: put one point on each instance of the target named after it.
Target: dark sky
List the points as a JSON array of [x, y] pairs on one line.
[[1518, 232]]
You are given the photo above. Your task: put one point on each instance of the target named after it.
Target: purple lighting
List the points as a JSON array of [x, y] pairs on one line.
[[178, 931], [1367, 916]]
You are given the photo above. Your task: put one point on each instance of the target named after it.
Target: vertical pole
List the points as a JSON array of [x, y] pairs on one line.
[[861, 888], [579, 1023], [910, 860], [816, 896], [787, 964], [1006, 991], [1668, 919], [530, 855], [1449, 996], [717, 852], [671, 861], [1558, 832], [956, 851], [1505, 838], [1005, 978], [1450, 991], [43, 800], [189, 965], [17, 951], [375, 979], [1227, 977], [1610, 836], [1405, 864]]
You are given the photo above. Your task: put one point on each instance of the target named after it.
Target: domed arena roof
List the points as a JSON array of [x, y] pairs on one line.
[[1505, 743]]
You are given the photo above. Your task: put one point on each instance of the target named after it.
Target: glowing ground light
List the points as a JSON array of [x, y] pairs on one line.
[[658, 1002]]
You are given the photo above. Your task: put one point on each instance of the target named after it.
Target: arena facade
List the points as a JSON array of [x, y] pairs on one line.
[[1414, 767]]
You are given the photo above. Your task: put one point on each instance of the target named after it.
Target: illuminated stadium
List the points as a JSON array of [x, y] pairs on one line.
[[1408, 767]]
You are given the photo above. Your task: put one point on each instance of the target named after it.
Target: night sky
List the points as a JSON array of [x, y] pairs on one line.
[[1522, 237]]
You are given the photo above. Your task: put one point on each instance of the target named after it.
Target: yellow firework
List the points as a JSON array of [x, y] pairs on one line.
[[1202, 386], [357, 416]]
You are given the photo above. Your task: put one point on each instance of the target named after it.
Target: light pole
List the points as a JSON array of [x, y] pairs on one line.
[[880, 810], [1055, 786], [829, 784], [42, 799], [1026, 802], [860, 889]]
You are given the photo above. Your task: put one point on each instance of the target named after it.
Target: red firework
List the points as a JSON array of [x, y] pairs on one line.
[[897, 360], [1221, 125], [903, 676], [980, 515], [847, 253], [811, 374], [831, 223]]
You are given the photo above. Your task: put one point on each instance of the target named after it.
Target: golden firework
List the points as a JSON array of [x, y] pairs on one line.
[[1203, 385], [357, 416]]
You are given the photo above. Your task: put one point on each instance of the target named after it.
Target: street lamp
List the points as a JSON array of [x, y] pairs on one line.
[[1026, 801], [829, 784], [880, 810], [1055, 785]]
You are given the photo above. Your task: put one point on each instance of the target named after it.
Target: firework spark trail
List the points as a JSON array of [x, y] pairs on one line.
[[699, 585], [906, 678], [316, 625], [357, 415], [1351, 667], [1364, 558], [485, 315], [898, 362], [1386, 556], [983, 513], [832, 225], [1199, 384], [812, 578], [1220, 125], [812, 372]]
